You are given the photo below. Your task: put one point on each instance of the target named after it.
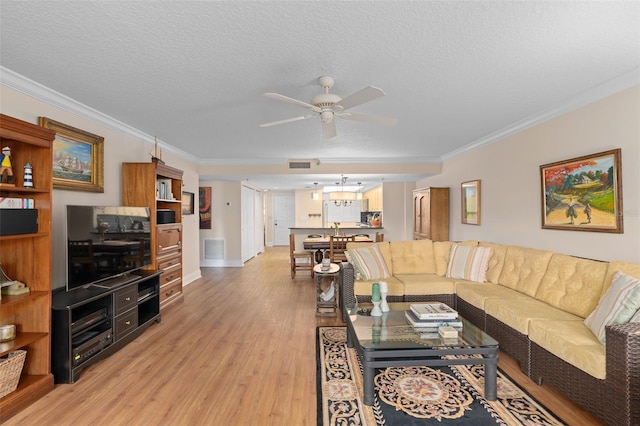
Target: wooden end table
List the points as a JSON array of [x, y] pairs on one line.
[[327, 308]]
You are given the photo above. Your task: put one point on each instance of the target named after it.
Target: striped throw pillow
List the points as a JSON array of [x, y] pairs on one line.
[[469, 263], [368, 261], [618, 305]]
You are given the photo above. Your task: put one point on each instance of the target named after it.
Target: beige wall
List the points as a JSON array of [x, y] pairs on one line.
[[305, 206], [510, 180], [226, 221], [118, 148]]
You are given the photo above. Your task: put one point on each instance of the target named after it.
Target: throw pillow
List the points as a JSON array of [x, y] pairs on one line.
[[618, 305], [469, 263], [368, 261]]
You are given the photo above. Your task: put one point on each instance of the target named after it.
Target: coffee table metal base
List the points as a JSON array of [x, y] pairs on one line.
[[431, 357]]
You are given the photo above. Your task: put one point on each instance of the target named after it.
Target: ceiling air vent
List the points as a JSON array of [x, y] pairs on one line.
[[302, 164]]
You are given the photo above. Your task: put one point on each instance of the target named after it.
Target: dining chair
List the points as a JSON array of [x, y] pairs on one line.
[[338, 247], [379, 237], [295, 255]]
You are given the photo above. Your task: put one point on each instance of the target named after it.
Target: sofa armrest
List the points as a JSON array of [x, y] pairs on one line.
[[623, 372], [346, 281]]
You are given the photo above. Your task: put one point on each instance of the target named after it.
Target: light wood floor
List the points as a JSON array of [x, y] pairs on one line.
[[239, 351]]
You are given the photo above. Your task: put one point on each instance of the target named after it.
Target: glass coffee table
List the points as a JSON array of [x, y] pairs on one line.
[[390, 341]]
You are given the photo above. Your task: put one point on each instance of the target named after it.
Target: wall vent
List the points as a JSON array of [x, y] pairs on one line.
[[214, 249], [303, 164]]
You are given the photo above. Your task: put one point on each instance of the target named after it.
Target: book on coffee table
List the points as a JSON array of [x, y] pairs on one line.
[[433, 311], [432, 323]]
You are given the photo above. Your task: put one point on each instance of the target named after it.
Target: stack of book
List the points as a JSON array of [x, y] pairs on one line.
[[429, 317]]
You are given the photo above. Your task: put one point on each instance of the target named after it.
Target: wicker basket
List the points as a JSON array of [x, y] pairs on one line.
[[10, 370]]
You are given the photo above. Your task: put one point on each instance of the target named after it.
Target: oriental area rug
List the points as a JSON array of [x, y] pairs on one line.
[[415, 395]]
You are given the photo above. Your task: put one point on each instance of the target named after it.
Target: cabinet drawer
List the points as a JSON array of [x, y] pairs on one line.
[[126, 323], [126, 299], [170, 275], [170, 290], [170, 261], [168, 238]]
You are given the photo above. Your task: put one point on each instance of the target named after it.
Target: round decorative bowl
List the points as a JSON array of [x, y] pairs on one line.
[[7, 332]]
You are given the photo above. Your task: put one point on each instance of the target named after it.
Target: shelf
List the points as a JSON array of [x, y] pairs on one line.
[[10, 300], [30, 388], [22, 236], [23, 190], [21, 340]]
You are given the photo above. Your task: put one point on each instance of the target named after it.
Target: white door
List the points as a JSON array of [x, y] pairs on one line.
[[284, 211], [248, 224], [259, 223]]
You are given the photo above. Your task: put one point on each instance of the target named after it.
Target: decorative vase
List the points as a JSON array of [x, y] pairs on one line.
[[376, 311], [384, 306]]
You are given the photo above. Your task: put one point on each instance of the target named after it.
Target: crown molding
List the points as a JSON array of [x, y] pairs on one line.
[[38, 91], [622, 82]]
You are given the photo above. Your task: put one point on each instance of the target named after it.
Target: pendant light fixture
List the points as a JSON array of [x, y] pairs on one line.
[[342, 197], [315, 194]]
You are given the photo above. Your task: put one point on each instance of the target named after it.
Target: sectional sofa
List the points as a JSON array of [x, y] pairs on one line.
[[534, 302]]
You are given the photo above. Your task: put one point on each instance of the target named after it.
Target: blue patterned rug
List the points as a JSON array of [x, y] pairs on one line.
[[415, 395]]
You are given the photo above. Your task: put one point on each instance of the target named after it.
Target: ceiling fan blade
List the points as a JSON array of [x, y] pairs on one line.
[[287, 120], [378, 119], [365, 95], [282, 98], [329, 129]]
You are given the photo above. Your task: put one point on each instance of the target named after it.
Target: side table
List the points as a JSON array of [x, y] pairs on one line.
[[326, 307]]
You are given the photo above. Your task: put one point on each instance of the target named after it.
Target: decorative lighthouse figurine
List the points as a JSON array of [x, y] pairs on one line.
[[28, 176]]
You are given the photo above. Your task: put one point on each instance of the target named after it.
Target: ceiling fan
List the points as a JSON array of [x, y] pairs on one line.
[[328, 105]]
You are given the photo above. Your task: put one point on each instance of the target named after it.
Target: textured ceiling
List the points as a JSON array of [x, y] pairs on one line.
[[193, 72]]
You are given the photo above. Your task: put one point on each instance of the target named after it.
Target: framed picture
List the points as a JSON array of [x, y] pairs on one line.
[[471, 202], [584, 193], [204, 194], [78, 162], [187, 202]]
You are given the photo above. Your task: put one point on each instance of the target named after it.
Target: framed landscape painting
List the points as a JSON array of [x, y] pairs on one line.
[[471, 202], [78, 162], [584, 193]]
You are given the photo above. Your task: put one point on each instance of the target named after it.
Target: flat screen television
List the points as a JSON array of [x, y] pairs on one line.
[[105, 244]]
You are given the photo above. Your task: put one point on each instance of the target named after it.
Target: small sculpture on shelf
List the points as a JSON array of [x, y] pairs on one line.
[[28, 176], [5, 167], [10, 287]]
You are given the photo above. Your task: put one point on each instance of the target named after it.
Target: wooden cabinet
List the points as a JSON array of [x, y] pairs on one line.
[[375, 199], [431, 214], [159, 187], [28, 258]]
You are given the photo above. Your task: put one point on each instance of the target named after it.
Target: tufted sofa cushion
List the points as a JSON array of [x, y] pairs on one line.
[[496, 262], [631, 269], [441, 251], [572, 284], [524, 268], [413, 257]]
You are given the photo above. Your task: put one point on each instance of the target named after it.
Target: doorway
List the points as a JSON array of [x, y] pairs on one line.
[[283, 218]]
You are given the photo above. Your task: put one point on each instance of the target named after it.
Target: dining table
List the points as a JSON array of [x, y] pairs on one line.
[[322, 243]]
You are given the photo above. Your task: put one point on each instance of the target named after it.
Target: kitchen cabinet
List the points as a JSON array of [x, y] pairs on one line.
[[375, 199], [431, 214]]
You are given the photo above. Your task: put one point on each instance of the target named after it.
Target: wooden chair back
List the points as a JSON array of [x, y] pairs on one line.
[[338, 247], [379, 237], [294, 255]]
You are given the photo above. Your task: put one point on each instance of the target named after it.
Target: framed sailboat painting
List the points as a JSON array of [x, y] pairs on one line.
[[78, 158]]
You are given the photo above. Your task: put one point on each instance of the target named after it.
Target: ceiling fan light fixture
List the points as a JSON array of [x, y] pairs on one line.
[[326, 116]]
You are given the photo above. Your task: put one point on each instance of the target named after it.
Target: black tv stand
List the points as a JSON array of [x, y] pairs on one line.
[[117, 282], [90, 324]]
